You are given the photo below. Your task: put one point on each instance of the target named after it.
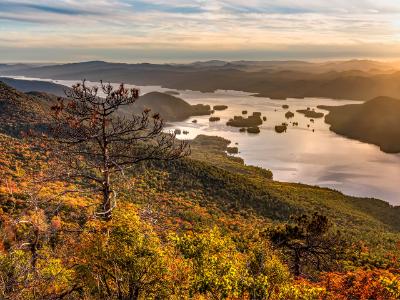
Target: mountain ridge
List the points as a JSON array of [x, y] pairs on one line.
[[357, 80]]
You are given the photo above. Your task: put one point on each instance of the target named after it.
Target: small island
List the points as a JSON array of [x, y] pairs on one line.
[[308, 113], [281, 128], [214, 119], [250, 121], [254, 130], [201, 110], [220, 107], [285, 106], [289, 115]]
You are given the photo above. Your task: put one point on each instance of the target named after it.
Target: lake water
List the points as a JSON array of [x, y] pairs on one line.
[[318, 157]]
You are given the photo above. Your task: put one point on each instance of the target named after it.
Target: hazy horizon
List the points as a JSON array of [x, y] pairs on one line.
[[393, 62]]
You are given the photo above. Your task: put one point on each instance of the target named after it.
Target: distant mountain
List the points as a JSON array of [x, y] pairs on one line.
[[376, 121], [14, 67], [35, 86], [210, 63], [356, 79]]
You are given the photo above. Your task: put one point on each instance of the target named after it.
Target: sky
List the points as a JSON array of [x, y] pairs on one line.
[[191, 30]]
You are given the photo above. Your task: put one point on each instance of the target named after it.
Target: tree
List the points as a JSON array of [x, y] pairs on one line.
[[128, 262], [95, 144], [309, 242], [267, 276], [217, 266]]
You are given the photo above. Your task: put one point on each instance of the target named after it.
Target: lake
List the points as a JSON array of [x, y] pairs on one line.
[[312, 155]]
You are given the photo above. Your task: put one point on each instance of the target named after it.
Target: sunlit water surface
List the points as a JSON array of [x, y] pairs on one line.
[[318, 157]]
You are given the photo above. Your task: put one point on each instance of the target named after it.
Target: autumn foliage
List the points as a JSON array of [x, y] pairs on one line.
[[171, 240]]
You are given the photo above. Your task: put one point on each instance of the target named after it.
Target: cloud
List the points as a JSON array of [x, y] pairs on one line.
[[203, 25]]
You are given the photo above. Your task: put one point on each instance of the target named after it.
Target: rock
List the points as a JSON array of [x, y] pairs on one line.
[[264, 118], [194, 121]]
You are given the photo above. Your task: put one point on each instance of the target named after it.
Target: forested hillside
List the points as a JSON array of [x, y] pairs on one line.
[[198, 226]]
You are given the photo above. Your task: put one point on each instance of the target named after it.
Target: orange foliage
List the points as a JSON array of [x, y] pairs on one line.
[[362, 285]]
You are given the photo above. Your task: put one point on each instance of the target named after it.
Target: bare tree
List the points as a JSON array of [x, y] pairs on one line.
[[96, 144]]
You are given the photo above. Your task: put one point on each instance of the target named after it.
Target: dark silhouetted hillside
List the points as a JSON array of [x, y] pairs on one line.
[[35, 86], [170, 108], [376, 121]]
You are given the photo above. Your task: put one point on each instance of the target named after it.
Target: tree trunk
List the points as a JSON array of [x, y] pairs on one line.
[[34, 249], [296, 264], [106, 197], [133, 293]]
